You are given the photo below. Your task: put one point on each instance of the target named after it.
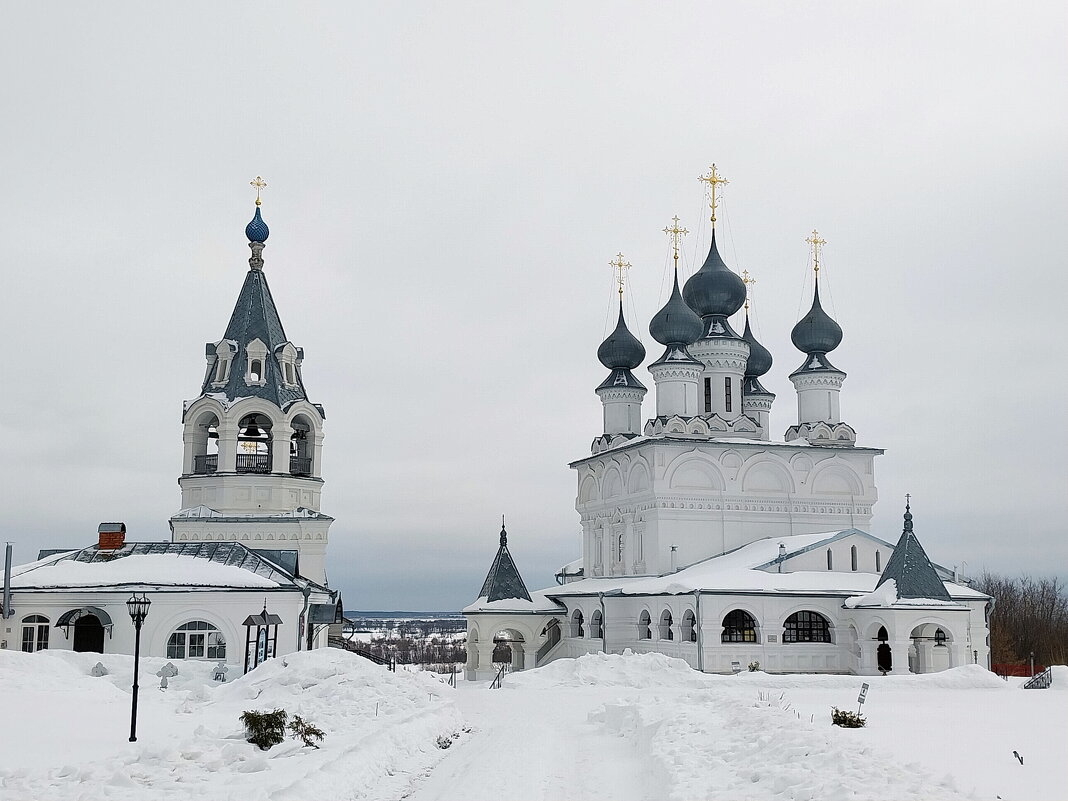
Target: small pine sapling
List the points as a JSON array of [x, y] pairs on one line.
[[265, 729], [306, 731], [847, 719], [754, 667]]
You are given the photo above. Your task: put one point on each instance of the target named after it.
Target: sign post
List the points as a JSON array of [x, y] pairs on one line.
[[860, 698]]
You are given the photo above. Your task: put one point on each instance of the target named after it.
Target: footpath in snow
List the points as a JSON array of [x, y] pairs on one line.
[[621, 727]]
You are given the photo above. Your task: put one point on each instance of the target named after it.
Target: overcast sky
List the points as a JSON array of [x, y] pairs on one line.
[[447, 184]]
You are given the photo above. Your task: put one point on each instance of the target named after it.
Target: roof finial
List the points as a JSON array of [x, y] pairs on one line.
[[748, 286], [504, 534], [908, 514], [621, 267], [676, 234], [259, 185], [713, 179], [817, 248]]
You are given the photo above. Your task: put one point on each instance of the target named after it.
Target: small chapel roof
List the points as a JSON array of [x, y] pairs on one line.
[[911, 570], [503, 580]]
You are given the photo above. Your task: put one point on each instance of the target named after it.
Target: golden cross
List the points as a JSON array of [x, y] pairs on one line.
[[676, 234], [713, 179], [748, 285], [259, 185], [621, 268], [817, 245]]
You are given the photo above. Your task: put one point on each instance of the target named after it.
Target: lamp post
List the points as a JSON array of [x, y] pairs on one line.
[[138, 607]]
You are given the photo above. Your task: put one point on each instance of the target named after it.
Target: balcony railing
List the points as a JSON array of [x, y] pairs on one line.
[[206, 464], [254, 463], [300, 465]]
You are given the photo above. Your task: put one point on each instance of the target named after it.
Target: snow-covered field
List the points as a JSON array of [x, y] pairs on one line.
[[607, 727]]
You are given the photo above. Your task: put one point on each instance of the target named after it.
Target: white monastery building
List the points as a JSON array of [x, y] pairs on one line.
[[244, 574], [706, 539]]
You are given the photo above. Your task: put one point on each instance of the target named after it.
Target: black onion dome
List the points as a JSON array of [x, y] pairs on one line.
[[621, 350], [714, 289], [816, 332], [759, 361], [676, 323]]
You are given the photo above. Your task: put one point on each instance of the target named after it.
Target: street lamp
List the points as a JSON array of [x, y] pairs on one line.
[[138, 607]]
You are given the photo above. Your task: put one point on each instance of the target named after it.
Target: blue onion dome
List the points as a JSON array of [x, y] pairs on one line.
[[759, 361], [714, 289], [257, 230], [816, 332], [621, 350], [676, 323]]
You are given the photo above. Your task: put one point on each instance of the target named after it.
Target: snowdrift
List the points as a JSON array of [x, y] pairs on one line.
[[379, 725]]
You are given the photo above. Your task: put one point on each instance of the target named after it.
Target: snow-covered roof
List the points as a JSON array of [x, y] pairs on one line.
[[539, 603], [740, 571], [159, 564]]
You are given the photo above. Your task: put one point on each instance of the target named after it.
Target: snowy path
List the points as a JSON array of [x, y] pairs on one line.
[[537, 745]]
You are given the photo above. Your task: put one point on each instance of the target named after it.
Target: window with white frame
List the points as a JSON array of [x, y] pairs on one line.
[[34, 633], [196, 639], [689, 627], [644, 626], [665, 626]]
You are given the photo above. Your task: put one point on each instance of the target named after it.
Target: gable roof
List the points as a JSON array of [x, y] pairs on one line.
[[503, 580], [255, 317], [911, 569]]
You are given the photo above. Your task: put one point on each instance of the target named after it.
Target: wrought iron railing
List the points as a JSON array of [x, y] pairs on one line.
[[544, 650], [1042, 681], [254, 463], [300, 465], [206, 464], [496, 684]]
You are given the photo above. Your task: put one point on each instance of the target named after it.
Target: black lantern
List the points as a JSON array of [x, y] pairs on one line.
[[138, 608]]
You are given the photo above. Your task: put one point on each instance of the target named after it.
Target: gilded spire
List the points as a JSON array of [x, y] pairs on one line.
[[676, 234], [621, 268], [259, 185], [816, 244], [713, 179], [748, 286]]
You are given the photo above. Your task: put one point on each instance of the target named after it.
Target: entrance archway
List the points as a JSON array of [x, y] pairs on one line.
[[884, 656], [508, 649], [89, 635]]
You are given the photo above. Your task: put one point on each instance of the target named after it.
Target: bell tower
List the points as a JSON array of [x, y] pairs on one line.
[[252, 463]]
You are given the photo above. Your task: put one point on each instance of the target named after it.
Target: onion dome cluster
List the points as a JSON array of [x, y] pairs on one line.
[[621, 350], [257, 230], [714, 291], [676, 324], [816, 333]]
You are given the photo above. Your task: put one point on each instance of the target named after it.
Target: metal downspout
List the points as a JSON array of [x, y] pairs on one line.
[[604, 624], [304, 617], [6, 612], [700, 634]]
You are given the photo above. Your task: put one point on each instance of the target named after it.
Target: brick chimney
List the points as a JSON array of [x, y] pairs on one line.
[[112, 536]]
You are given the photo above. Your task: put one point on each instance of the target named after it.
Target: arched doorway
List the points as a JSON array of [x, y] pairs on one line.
[[89, 635], [884, 656], [508, 649]]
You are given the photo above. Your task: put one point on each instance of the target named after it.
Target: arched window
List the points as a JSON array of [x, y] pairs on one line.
[[940, 638], [665, 626], [645, 622], [255, 370], [595, 625], [878, 562], [34, 633], [830, 560], [739, 626], [853, 557], [689, 629], [806, 626], [883, 635], [576, 624], [196, 639]]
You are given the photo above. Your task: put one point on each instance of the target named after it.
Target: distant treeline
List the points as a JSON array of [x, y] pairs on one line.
[[1029, 616], [409, 628], [419, 650]]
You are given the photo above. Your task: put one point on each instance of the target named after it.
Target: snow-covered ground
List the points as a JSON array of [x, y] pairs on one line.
[[600, 727]]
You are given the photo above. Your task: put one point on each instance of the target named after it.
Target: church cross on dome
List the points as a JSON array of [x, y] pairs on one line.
[[676, 234], [621, 268], [748, 285], [259, 185], [713, 179], [817, 248]]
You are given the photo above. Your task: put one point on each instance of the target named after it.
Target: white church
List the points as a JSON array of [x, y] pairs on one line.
[[705, 538], [243, 577]]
